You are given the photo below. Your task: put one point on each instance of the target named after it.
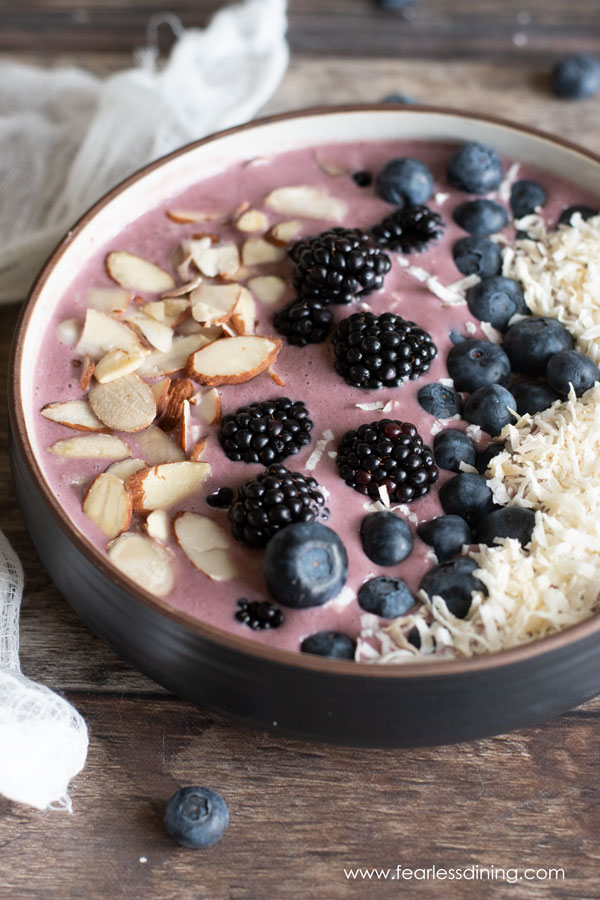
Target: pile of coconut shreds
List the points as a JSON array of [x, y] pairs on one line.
[[551, 464]]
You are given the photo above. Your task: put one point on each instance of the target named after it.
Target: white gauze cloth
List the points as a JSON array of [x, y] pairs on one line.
[[67, 137]]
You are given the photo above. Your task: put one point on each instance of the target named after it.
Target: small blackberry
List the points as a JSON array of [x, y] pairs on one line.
[[221, 498], [266, 431], [272, 500], [388, 454], [380, 351], [338, 265], [408, 230], [258, 615], [303, 322]]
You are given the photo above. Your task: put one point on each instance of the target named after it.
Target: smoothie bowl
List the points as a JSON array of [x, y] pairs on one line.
[[304, 423]]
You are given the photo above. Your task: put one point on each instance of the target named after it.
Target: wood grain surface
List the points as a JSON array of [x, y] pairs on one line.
[[299, 812]]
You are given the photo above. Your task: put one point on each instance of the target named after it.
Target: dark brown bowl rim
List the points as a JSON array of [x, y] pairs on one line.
[[289, 658]]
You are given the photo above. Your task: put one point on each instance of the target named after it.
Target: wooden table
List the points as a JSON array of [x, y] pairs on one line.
[[302, 812]]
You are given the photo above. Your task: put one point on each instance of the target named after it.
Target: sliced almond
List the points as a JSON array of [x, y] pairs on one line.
[[108, 300], [268, 288], [161, 486], [206, 544], [257, 251], [199, 448], [126, 467], [125, 404], [190, 326], [213, 304], [156, 447], [87, 370], [118, 363], [169, 311], [137, 274], [186, 216], [68, 331], [184, 425], [252, 220], [160, 392], [158, 526], [209, 407], [275, 377], [183, 289], [307, 200], [158, 334], [108, 504], [211, 261], [102, 333], [180, 390], [146, 562], [243, 318], [91, 446], [233, 360], [75, 414], [158, 363], [285, 232], [330, 167]]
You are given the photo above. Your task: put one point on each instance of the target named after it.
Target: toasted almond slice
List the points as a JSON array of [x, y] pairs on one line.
[[156, 447], [75, 414], [160, 392], [275, 377], [158, 526], [206, 544], [257, 251], [108, 504], [125, 404], [184, 425], [268, 288], [209, 407], [182, 289], [199, 448], [126, 467], [310, 201], [252, 220], [87, 370], [102, 333], [211, 261], [169, 311], [284, 233], [68, 331], [180, 390], [108, 300], [158, 334], [330, 167], [186, 216], [213, 304], [158, 363], [137, 274], [91, 446], [233, 360], [190, 326], [117, 363], [161, 486], [243, 318], [146, 562]]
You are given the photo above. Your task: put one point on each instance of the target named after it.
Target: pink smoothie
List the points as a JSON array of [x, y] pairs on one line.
[[307, 372]]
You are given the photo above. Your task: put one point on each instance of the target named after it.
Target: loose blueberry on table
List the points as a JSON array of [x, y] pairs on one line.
[[196, 817]]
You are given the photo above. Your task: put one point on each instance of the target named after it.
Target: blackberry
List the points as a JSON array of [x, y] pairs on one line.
[[221, 498], [303, 322], [380, 351], [272, 500], [266, 431], [388, 454], [338, 265], [258, 614], [408, 230]]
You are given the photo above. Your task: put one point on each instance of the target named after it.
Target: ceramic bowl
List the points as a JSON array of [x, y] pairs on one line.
[[397, 705]]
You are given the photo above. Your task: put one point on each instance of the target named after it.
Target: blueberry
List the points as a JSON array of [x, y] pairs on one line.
[[530, 343], [439, 401], [496, 300], [467, 495], [454, 581], [477, 256], [446, 534], [586, 212], [475, 168], [489, 408], [576, 77], [399, 99], [386, 538], [525, 197], [456, 337], [508, 522], [385, 596], [476, 362], [405, 181], [532, 396], [196, 817], [481, 216], [305, 564], [333, 644], [569, 367], [484, 457], [451, 447]]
